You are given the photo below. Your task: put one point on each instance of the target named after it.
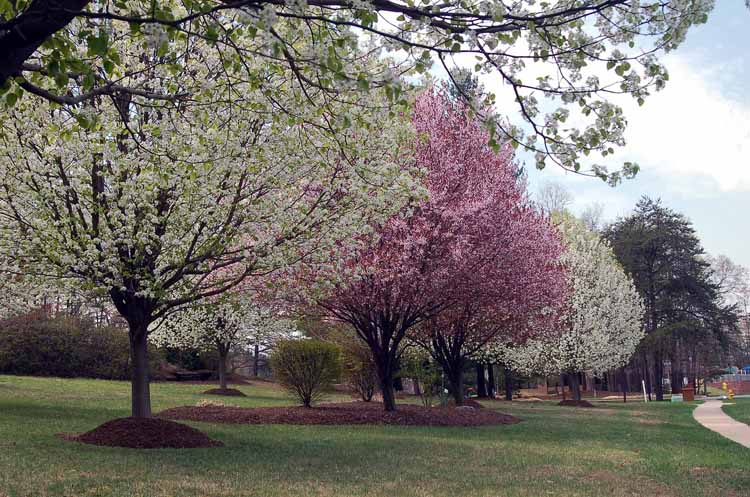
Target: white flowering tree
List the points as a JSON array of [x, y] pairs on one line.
[[561, 62], [604, 317], [148, 200], [230, 322]]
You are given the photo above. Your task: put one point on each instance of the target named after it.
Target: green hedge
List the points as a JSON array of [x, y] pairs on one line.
[[39, 345]]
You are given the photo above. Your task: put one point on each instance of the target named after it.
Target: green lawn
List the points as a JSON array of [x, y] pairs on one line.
[[639, 450], [739, 409]]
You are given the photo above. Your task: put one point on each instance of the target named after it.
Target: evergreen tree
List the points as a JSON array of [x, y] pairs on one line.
[[685, 319]]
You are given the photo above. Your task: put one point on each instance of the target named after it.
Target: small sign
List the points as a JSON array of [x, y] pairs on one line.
[[676, 397]]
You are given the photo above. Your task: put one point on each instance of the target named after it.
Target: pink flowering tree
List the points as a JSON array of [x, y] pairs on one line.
[[471, 261]]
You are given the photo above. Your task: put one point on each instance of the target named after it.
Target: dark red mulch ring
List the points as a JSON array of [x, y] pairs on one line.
[[230, 392], [575, 403], [348, 413], [144, 433]]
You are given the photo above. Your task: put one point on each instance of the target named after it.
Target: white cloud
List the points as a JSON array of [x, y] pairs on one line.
[[695, 133], [692, 132]]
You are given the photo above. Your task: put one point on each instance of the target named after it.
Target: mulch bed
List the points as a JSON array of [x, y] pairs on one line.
[[575, 403], [144, 433], [348, 413], [229, 392]]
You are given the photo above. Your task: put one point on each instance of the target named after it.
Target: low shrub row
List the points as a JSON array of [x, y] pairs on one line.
[[38, 344]]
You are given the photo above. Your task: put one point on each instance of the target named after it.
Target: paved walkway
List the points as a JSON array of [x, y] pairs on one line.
[[710, 415]]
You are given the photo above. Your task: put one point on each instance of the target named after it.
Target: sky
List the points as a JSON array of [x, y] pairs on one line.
[[691, 140]]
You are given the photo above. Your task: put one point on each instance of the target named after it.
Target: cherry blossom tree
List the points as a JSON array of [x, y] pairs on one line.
[[147, 200], [563, 62], [228, 322], [475, 254], [603, 323]]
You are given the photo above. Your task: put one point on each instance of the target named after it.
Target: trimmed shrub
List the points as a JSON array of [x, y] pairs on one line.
[[39, 345], [360, 371], [306, 368]]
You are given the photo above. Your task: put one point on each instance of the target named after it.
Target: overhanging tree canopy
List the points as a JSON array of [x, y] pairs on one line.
[[559, 59]]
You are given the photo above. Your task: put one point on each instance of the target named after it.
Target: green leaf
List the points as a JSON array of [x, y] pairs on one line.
[[97, 45], [11, 99]]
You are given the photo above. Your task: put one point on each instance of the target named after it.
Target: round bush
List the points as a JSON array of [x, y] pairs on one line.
[[306, 368]]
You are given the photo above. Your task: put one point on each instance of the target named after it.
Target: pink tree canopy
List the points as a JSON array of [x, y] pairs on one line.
[[475, 248]]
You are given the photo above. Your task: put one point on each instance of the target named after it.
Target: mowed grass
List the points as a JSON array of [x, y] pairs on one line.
[[615, 450], [739, 409]]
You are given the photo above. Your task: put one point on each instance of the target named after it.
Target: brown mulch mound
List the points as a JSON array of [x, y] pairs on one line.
[[348, 413], [144, 433], [575, 403], [230, 392]]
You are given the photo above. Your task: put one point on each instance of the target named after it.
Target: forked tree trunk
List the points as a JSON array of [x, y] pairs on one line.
[[481, 383], [140, 390]]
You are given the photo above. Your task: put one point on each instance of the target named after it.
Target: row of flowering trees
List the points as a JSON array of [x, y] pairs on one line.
[[472, 261], [601, 325], [421, 235]]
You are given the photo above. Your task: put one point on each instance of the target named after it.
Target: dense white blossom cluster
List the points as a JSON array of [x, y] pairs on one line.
[[564, 62]]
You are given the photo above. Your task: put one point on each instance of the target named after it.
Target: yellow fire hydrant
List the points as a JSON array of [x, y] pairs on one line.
[[724, 385]]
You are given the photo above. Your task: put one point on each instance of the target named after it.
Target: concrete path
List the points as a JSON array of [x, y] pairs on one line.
[[710, 415]]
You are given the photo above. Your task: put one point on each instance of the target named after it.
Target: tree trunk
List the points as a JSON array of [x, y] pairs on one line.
[[481, 384], [659, 375], [384, 366], [256, 360], [491, 387], [590, 382], [417, 388], [140, 391], [575, 386], [562, 385], [456, 379], [647, 376], [676, 380], [223, 354], [389, 397], [508, 377]]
